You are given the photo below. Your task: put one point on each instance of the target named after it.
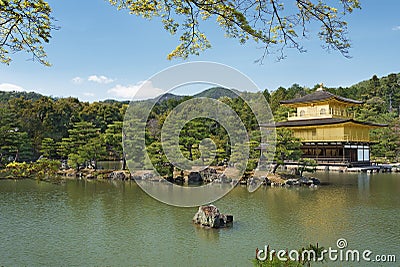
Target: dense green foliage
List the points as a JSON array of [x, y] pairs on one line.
[[32, 126], [218, 92], [83, 133], [25, 25], [6, 96], [40, 169], [287, 147], [199, 134]]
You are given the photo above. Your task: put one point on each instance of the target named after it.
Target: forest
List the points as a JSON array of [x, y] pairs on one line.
[[33, 126]]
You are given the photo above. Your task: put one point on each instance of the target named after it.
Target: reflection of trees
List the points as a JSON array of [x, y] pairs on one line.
[[209, 235], [305, 212], [134, 135]]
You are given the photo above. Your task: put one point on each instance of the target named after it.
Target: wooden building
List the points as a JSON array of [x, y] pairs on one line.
[[328, 130]]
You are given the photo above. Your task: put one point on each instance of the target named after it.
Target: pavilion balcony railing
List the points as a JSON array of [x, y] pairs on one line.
[[333, 138], [330, 160], [333, 113], [325, 160]]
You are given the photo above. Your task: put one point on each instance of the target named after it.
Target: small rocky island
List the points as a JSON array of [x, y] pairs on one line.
[[210, 217]]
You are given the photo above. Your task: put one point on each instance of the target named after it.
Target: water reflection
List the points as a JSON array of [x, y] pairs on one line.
[[116, 223], [209, 235], [363, 185], [183, 196]]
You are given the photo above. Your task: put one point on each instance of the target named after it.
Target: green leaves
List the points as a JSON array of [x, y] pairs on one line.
[[14, 143], [84, 144], [25, 26], [112, 138], [266, 22], [288, 147], [49, 148], [388, 147]]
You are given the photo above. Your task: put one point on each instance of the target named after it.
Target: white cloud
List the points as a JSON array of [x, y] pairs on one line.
[[88, 94], [396, 28], [141, 90], [77, 80], [99, 79], [10, 87]]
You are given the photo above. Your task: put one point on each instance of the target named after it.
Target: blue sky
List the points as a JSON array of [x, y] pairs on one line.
[[101, 53]]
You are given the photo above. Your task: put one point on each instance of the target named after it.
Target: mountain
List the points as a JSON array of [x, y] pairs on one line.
[[386, 87], [214, 93], [167, 96], [5, 96], [113, 101], [218, 92]]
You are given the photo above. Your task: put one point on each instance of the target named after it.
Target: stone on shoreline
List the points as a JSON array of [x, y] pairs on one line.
[[119, 175], [195, 177], [209, 216]]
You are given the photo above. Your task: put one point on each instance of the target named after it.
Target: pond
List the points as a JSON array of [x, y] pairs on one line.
[[81, 223]]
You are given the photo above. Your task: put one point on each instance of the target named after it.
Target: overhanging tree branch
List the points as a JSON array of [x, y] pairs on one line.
[[264, 21], [24, 26]]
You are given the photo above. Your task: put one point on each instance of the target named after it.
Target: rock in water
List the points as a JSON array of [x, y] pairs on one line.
[[195, 177], [209, 216]]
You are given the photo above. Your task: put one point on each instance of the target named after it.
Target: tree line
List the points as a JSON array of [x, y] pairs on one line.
[[34, 126], [64, 128]]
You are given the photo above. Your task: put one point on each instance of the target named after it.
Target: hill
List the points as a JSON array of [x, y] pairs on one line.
[[6, 96], [218, 92], [167, 96]]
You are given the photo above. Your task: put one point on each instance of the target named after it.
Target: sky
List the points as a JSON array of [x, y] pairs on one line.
[[100, 53]]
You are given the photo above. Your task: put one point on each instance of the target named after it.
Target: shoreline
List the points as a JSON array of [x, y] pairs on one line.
[[371, 168], [214, 174], [277, 179]]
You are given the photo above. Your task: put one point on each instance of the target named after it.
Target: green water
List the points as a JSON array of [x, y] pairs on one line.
[[82, 223]]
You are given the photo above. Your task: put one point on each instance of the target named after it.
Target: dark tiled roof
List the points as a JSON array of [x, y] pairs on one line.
[[315, 122], [320, 95]]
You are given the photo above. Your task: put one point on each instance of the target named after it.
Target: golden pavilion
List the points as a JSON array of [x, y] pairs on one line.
[[328, 130]]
